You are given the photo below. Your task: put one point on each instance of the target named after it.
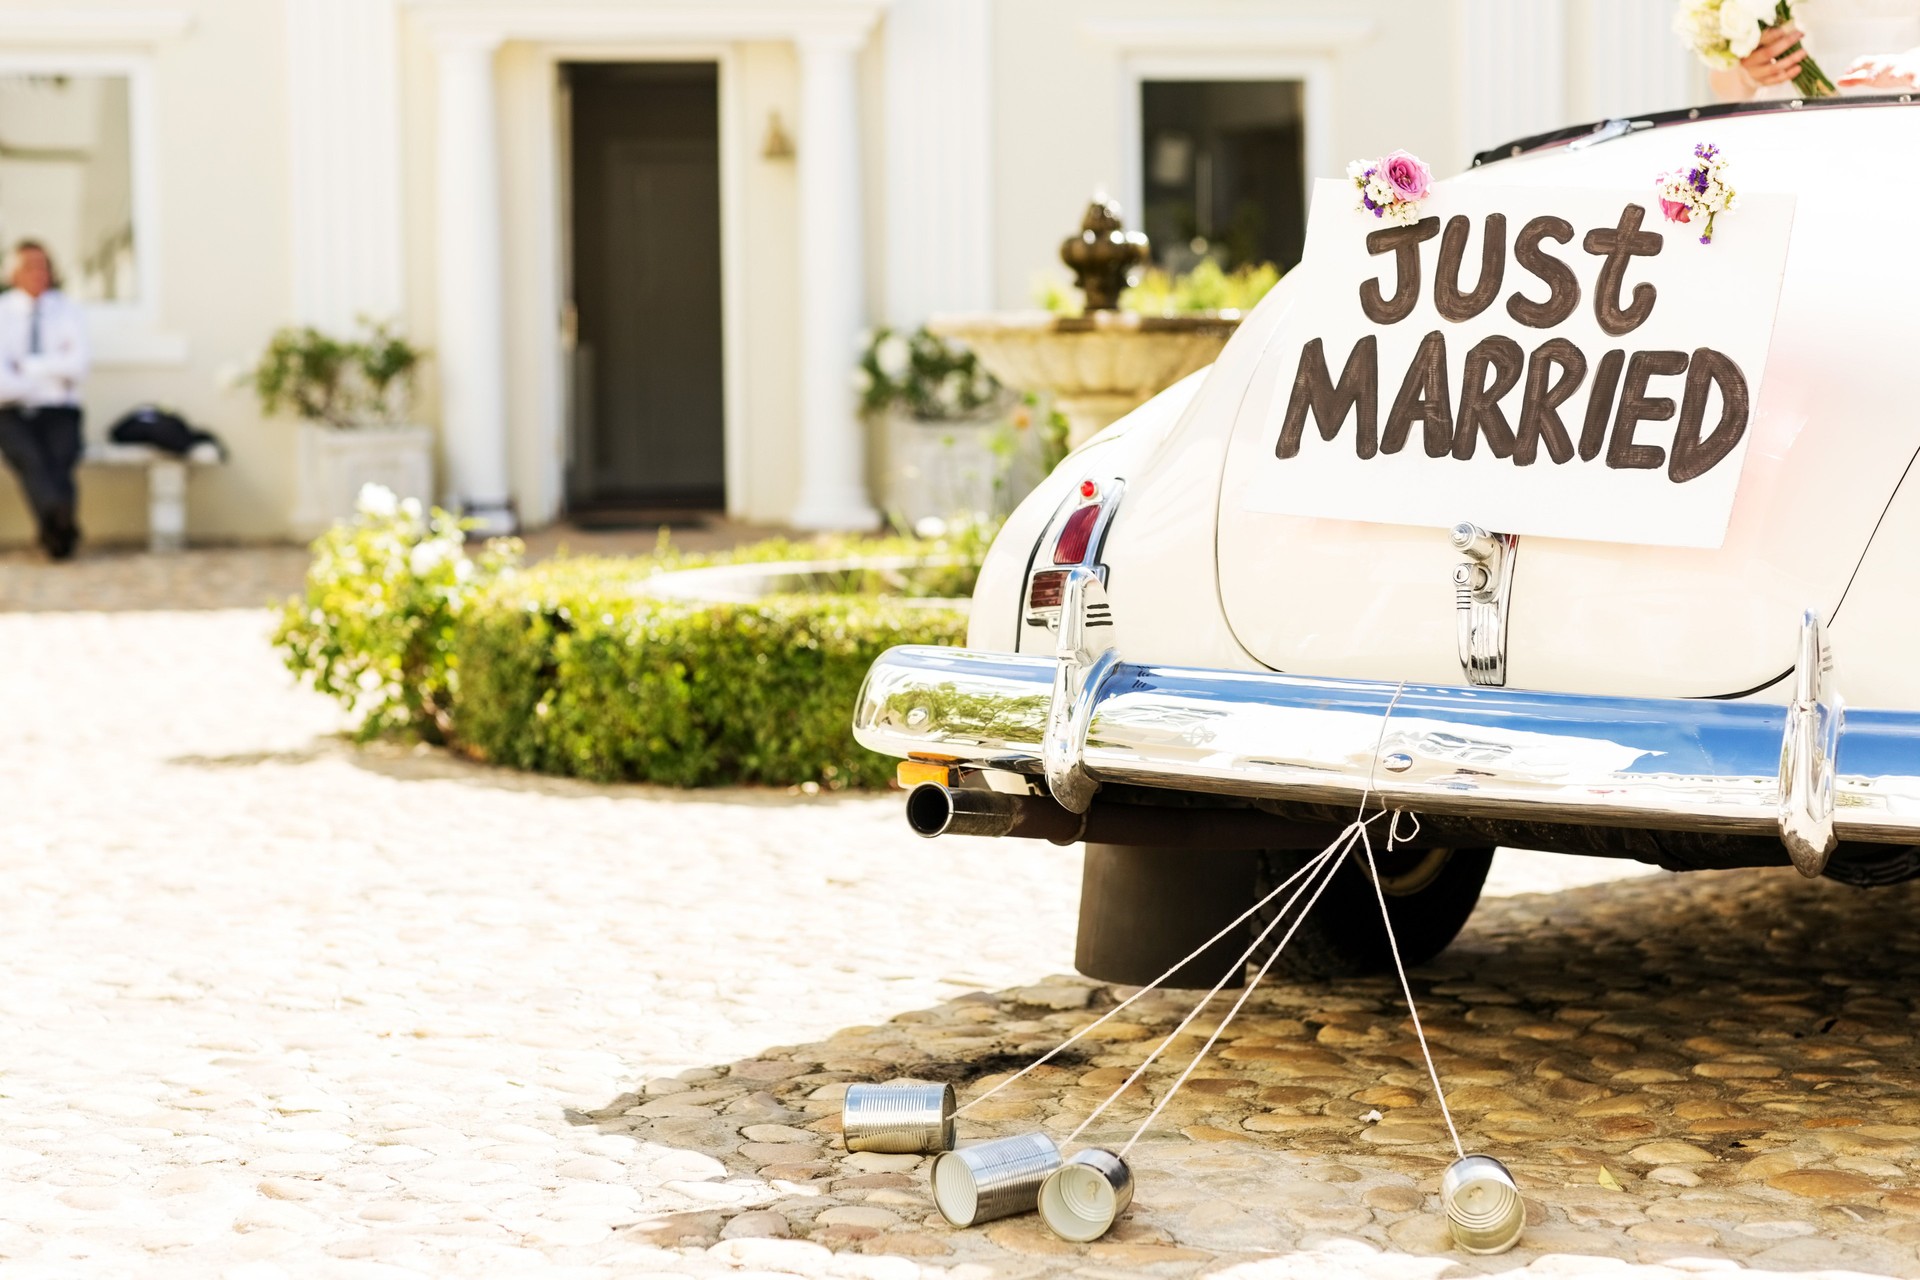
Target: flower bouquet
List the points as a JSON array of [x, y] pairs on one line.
[[1721, 32], [1392, 187], [1697, 189]]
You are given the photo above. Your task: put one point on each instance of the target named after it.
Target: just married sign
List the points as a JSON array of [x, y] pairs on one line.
[[1548, 361]]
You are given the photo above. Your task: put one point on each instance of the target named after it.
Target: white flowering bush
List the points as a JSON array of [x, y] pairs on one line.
[[374, 628], [934, 380]]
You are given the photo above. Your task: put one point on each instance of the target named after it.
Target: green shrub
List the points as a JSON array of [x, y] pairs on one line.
[[569, 668], [566, 669], [374, 628]]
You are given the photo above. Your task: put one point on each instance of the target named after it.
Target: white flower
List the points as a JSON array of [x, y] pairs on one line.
[[862, 382], [1741, 22], [892, 355], [377, 500], [231, 375], [863, 342], [930, 527], [410, 508], [430, 555]]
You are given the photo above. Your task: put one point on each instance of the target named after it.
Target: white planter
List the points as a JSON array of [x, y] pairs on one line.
[[951, 468], [334, 464]]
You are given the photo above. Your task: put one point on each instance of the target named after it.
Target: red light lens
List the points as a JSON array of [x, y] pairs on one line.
[[1048, 588], [1088, 488], [1075, 535]]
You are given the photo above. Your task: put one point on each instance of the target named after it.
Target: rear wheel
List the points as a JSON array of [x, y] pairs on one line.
[[1429, 892], [1145, 907]]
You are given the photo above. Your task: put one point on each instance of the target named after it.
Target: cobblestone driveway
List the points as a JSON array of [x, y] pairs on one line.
[[276, 1007]]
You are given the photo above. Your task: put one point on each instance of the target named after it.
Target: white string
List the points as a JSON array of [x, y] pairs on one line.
[[1333, 869], [1406, 988], [1357, 828], [1239, 966], [1235, 923]]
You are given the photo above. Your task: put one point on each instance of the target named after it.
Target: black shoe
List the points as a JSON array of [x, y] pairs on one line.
[[59, 534]]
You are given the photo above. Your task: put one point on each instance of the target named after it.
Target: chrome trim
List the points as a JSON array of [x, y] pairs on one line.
[[1083, 649], [1807, 755], [1482, 589], [1672, 764]]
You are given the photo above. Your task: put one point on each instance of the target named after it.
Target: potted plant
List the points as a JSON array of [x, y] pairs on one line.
[[943, 427], [352, 397]]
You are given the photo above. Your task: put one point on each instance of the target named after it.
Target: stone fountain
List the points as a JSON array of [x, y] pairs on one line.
[[1103, 364]]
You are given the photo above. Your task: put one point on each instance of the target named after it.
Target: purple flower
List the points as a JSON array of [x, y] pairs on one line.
[[1408, 175], [1707, 239]]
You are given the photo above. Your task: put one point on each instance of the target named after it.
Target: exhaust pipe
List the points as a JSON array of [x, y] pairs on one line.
[[934, 810]]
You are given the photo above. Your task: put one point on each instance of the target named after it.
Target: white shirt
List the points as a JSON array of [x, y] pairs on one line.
[[43, 356]]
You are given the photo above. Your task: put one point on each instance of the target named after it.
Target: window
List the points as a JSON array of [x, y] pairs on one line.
[[67, 178], [1223, 171]]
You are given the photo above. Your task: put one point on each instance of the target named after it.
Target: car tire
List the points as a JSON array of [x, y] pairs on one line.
[[1429, 892], [1145, 907]]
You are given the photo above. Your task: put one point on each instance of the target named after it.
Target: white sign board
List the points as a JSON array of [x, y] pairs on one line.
[[1537, 360]]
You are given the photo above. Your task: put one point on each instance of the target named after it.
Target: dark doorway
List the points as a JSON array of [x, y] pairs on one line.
[[1223, 171], [645, 272]]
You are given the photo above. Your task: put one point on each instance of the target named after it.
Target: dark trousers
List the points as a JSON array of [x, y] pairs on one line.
[[43, 447]]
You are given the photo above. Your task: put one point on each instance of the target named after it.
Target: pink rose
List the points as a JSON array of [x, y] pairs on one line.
[[1407, 174], [1675, 211]]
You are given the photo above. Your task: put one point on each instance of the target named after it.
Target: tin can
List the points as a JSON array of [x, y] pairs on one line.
[[1081, 1199], [1485, 1212], [899, 1119], [994, 1179]]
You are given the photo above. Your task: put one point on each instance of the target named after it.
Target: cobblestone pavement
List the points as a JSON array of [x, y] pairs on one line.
[[276, 1007]]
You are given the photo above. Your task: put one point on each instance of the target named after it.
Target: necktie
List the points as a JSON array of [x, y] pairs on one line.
[[33, 329]]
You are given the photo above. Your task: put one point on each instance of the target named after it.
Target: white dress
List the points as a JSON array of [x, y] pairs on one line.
[[1840, 32]]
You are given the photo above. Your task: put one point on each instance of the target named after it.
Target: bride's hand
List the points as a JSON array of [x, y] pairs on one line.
[[1770, 63], [1883, 71]]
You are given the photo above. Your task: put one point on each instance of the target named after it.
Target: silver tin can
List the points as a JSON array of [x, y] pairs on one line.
[[899, 1119], [994, 1179], [1485, 1212], [1081, 1199]]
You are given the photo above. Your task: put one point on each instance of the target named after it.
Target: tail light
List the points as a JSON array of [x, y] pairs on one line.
[[1076, 535], [1075, 544]]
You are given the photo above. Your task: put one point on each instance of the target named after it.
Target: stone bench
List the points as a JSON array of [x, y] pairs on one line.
[[166, 484]]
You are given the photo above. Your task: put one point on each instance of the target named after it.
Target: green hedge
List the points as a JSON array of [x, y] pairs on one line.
[[563, 669], [568, 668]]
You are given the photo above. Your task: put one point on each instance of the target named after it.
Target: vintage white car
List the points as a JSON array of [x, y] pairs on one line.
[[1224, 625]]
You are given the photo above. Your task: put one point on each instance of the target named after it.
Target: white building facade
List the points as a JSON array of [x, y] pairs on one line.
[[578, 205]]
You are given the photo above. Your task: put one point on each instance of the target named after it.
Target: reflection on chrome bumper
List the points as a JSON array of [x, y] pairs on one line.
[[1672, 764]]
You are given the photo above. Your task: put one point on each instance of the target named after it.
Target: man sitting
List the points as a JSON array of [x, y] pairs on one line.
[[43, 360]]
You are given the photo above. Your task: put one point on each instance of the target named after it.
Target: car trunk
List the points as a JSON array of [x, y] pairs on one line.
[[1832, 435]]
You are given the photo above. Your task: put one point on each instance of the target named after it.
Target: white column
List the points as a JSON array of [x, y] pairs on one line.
[[1633, 61], [343, 105], [833, 491], [1513, 71], [471, 346], [939, 162]]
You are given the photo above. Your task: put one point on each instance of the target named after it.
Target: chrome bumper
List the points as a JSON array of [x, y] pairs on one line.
[[1086, 718]]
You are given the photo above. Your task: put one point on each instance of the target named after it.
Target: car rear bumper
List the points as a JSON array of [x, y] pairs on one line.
[[1670, 764]]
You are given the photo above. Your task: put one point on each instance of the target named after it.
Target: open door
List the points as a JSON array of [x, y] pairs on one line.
[[644, 318]]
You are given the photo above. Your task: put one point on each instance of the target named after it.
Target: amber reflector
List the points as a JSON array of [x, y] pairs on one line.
[[911, 773]]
